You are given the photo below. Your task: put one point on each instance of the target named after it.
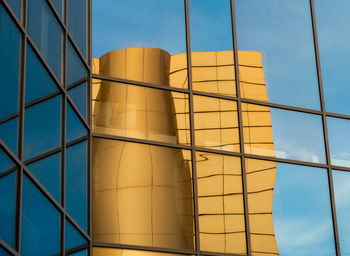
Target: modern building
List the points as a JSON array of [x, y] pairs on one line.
[[174, 127]]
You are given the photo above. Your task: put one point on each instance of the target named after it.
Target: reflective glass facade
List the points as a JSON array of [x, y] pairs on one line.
[[174, 127]]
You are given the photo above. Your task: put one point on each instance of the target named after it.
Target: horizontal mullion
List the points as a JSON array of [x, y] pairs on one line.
[[6, 119], [219, 254], [4, 173], [77, 83], [42, 99], [330, 114]]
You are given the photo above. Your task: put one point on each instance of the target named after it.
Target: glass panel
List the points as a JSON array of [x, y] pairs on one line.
[[339, 141], [216, 123], [48, 172], [333, 39], [341, 181], [77, 23], [140, 112], [220, 203], [16, 6], [283, 133], [38, 81], [42, 127], [75, 128], [79, 95], [9, 65], [7, 208], [9, 134], [99, 251], [212, 47], [58, 6], [276, 52], [75, 68], [40, 223], [76, 183], [80, 253], [148, 201], [46, 33], [142, 40], [73, 238], [5, 162], [289, 209], [3, 252]]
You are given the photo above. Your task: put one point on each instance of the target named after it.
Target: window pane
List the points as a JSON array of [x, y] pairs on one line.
[[212, 47], [5, 162], [9, 134], [40, 223], [341, 181], [148, 201], [339, 141], [76, 183], [7, 208], [75, 128], [38, 81], [48, 172], [75, 68], [283, 133], [58, 6], [276, 52], [140, 112], [42, 127], [73, 238], [333, 39], [46, 33], [80, 253], [216, 123], [9, 65], [79, 95], [77, 23], [289, 209], [99, 251], [16, 6], [220, 203], [151, 42]]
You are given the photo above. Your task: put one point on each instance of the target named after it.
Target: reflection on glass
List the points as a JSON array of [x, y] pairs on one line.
[[48, 172], [73, 238], [9, 65], [290, 205], [7, 208], [284, 38], [75, 128], [42, 127], [40, 223], [9, 133], [75, 67], [216, 123], [341, 181], [283, 133], [144, 202], [99, 251], [38, 81], [5, 162], [16, 6], [76, 183], [46, 33], [77, 23], [339, 141], [332, 21], [79, 95], [140, 112], [220, 203]]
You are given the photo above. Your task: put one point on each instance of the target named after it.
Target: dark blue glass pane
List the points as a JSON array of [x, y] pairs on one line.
[[77, 14], [80, 253], [40, 223], [46, 33], [76, 183], [75, 68], [16, 6], [9, 65], [3, 252], [75, 128], [5, 162], [7, 208], [38, 81], [9, 134], [72, 237], [58, 6], [42, 125], [48, 172], [78, 95]]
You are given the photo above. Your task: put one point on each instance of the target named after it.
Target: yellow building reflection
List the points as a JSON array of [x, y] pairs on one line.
[[142, 194]]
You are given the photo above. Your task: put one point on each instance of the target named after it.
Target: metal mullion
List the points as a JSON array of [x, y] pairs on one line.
[[325, 131], [10, 117], [5, 173], [241, 137], [77, 141], [13, 16], [192, 127], [340, 168], [77, 227], [342, 116], [77, 50], [77, 112], [220, 254], [77, 249], [42, 99], [77, 83], [42, 156], [8, 248]]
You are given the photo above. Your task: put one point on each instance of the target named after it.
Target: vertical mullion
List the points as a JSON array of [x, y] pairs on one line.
[[192, 128], [240, 124], [325, 131]]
